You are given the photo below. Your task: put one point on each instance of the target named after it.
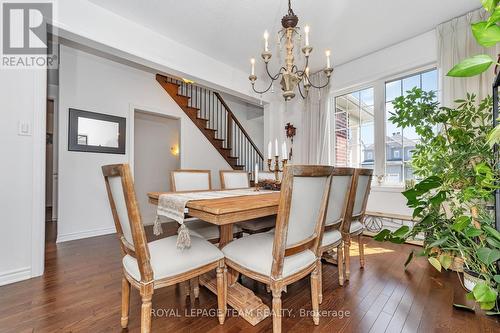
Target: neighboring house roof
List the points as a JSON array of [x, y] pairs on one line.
[[395, 141]]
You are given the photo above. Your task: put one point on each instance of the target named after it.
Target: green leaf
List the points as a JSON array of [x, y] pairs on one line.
[[485, 35], [409, 259], [463, 307], [472, 232], [428, 184], [489, 5], [492, 313], [493, 242], [401, 232], [461, 222], [492, 232], [483, 293], [471, 66], [488, 256], [496, 278], [438, 242], [495, 17], [381, 236], [445, 261], [434, 262]]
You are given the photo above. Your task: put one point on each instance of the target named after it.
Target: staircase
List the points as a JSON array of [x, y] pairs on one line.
[[210, 113]]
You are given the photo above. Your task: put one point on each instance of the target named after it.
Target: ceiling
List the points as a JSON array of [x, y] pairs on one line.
[[231, 30]]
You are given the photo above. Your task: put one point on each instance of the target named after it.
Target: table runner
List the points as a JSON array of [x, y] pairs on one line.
[[173, 205]]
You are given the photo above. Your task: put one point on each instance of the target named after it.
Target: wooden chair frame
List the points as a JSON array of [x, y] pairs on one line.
[[281, 250], [140, 251], [346, 234], [172, 177], [223, 181], [343, 223]]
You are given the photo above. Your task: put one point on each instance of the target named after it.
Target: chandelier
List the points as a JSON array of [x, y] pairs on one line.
[[291, 76]]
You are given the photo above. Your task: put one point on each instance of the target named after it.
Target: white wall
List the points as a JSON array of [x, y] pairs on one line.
[[95, 84], [250, 116], [154, 136], [22, 98]]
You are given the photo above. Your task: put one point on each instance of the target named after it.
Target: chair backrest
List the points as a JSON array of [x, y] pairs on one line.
[[301, 214], [363, 186], [126, 215], [191, 180], [340, 190], [232, 179]]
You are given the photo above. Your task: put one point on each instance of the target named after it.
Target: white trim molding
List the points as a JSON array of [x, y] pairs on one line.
[[15, 275], [85, 234]]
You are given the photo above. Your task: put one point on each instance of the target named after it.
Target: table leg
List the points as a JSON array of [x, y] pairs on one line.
[[225, 237]]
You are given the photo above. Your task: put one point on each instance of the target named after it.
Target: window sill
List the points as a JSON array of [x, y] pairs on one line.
[[388, 188]]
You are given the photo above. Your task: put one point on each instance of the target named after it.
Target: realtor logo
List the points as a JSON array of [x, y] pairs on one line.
[[24, 34]]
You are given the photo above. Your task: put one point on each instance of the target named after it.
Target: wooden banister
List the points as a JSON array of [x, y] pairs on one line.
[[236, 121]]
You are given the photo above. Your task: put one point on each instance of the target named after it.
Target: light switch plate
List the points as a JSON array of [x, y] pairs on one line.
[[24, 128]]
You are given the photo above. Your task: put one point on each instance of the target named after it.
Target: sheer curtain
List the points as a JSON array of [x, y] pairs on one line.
[[316, 122], [455, 43]]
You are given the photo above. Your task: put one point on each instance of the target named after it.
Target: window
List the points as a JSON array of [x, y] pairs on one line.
[[400, 141], [354, 129]]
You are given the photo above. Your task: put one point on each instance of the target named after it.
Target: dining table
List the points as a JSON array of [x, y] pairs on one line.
[[225, 212]]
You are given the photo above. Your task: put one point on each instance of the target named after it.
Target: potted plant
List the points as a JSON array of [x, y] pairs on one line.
[[455, 166]]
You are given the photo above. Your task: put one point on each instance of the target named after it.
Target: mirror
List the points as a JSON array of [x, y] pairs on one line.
[[96, 132]]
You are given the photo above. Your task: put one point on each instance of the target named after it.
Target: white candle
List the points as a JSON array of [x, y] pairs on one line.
[[327, 52], [306, 30], [269, 150], [256, 174], [266, 41], [276, 148], [252, 61]]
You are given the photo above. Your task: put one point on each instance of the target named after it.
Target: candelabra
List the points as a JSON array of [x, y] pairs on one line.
[[276, 169]]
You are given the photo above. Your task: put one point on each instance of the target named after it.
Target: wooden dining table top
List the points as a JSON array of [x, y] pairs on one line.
[[230, 209]]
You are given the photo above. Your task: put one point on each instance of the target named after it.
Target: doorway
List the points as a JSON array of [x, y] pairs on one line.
[[50, 176], [156, 154]]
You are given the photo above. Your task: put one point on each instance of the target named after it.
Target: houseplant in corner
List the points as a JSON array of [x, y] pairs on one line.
[[455, 165]]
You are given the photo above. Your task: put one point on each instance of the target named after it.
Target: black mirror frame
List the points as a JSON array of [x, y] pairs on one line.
[[73, 145]]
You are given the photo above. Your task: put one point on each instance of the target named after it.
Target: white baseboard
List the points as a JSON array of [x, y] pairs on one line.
[[85, 234], [15, 275]]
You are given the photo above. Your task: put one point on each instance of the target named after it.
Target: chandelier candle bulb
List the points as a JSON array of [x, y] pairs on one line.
[[266, 41], [306, 31], [252, 61], [327, 53]]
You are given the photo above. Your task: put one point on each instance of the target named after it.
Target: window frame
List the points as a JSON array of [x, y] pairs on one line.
[[379, 97]]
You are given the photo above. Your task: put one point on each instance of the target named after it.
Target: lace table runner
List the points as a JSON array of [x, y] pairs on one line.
[[173, 205]]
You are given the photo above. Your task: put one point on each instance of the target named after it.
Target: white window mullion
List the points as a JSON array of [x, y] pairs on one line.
[[379, 111]]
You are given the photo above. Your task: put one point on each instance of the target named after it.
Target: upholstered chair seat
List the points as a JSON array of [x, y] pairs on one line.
[[331, 238], [356, 227], [255, 253], [167, 261]]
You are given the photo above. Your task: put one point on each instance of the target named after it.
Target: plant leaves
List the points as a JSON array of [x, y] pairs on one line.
[[463, 307], [410, 258], [472, 232], [496, 278], [381, 236], [495, 17], [492, 232], [445, 261], [485, 295], [471, 66], [493, 242], [485, 35], [434, 262], [461, 222], [488, 256], [489, 5], [438, 242], [401, 232]]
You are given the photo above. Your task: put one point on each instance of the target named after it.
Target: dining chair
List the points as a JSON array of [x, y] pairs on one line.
[[292, 251], [157, 264], [235, 179], [337, 219], [359, 200]]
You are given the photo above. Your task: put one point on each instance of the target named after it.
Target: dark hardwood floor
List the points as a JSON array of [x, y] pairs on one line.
[[80, 292]]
